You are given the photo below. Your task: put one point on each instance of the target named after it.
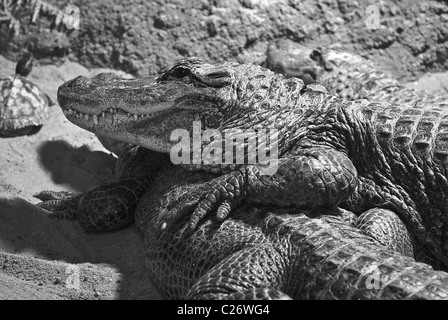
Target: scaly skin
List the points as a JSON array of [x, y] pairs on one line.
[[394, 155], [345, 74], [260, 252], [213, 94], [322, 141], [349, 76]]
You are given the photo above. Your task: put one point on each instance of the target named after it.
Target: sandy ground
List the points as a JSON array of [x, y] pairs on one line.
[[42, 258]]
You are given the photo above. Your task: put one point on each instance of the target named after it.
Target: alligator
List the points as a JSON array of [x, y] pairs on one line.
[[324, 169], [351, 76], [345, 74], [259, 252]]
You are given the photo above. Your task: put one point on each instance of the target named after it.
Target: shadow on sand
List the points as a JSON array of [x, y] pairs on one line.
[[76, 168], [25, 230]]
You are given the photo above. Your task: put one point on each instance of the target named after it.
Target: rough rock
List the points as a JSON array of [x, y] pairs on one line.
[[143, 38]]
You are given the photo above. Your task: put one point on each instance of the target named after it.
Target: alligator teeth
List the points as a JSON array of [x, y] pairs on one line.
[[86, 116], [70, 112], [95, 119], [135, 117], [103, 114]]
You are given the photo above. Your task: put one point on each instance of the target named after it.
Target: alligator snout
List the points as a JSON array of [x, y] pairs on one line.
[[78, 85], [84, 85]]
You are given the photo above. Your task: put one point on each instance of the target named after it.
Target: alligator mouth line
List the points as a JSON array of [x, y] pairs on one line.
[[109, 113]]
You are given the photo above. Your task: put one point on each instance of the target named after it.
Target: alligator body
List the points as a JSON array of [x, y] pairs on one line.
[[421, 127], [332, 155], [264, 252], [345, 74]]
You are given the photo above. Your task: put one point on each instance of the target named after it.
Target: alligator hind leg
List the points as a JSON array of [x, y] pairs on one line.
[[106, 207], [244, 275], [382, 225], [250, 294], [386, 228], [61, 204]]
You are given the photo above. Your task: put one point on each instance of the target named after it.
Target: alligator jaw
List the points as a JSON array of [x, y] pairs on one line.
[[137, 111], [107, 94]]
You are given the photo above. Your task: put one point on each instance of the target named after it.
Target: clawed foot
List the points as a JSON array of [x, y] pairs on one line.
[[222, 194], [62, 204]]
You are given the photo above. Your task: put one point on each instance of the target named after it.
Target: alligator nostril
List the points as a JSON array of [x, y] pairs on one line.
[[79, 81], [105, 77], [78, 85]]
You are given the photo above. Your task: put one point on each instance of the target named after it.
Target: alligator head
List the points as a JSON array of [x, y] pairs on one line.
[[296, 60], [146, 111], [309, 63]]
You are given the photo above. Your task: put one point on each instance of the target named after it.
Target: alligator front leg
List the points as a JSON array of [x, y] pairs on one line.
[[106, 207], [312, 178]]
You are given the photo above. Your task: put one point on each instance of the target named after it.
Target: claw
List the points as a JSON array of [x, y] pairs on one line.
[[224, 210], [221, 194], [197, 215], [49, 205], [60, 204], [47, 195], [167, 216]]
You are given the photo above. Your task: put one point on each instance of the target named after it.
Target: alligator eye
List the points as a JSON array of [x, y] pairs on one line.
[[218, 74], [180, 72], [216, 79]]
